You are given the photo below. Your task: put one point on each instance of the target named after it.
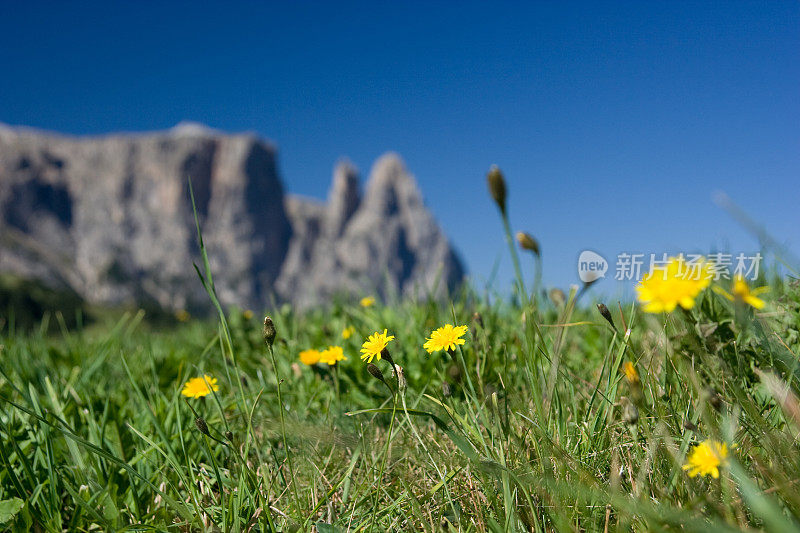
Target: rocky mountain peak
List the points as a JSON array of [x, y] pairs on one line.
[[110, 218], [343, 198]]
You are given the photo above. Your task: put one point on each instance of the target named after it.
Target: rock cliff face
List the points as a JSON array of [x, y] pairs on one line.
[[110, 217]]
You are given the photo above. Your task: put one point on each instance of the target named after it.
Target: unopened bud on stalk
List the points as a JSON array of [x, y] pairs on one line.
[[477, 318], [269, 331], [202, 426], [229, 436], [527, 242], [386, 355], [497, 187], [606, 314], [376, 372]]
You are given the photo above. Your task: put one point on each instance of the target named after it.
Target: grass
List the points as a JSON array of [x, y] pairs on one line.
[[530, 426]]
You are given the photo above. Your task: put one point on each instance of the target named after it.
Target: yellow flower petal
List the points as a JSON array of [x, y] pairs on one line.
[[310, 357], [374, 345], [446, 337], [676, 283], [199, 387]]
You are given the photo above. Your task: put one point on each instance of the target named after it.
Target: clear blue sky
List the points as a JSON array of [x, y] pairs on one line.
[[614, 124]]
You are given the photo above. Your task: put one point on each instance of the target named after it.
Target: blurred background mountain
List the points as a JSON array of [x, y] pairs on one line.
[[111, 219]]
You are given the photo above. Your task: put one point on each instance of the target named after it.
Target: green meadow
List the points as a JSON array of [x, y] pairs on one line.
[[553, 415]]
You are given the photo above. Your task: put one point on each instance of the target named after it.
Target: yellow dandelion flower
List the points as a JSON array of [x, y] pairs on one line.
[[677, 283], [248, 314], [374, 345], [630, 372], [367, 301], [707, 458], [348, 332], [310, 357], [182, 315], [742, 293], [445, 338], [199, 387], [332, 355]]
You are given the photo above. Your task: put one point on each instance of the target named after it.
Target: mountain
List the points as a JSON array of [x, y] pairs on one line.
[[111, 219]]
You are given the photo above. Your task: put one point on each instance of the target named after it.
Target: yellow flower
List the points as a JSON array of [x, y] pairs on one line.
[[248, 314], [310, 357], [332, 355], [367, 301], [199, 387], [445, 338], [374, 345], [707, 458], [630, 372], [182, 315], [348, 332], [742, 293], [677, 283]]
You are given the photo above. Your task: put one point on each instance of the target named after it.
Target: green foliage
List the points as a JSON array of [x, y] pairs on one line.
[[96, 434], [530, 426]]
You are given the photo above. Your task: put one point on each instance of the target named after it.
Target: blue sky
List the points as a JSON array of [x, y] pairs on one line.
[[614, 124]]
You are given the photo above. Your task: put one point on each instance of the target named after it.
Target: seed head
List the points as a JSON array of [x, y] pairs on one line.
[[401, 378], [202, 426], [497, 187], [557, 296], [527, 242], [269, 331]]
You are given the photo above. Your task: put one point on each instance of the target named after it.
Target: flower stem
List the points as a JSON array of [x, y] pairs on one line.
[[283, 428], [515, 259], [383, 463]]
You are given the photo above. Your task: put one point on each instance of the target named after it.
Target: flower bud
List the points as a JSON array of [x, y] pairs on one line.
[[376, 372], [527, 242], [606, 314], [202, 426], [497, 187], [269, 331], [386, 355]]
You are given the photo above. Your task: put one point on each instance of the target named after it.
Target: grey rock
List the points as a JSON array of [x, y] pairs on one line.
[[390, 243], [110, 218]]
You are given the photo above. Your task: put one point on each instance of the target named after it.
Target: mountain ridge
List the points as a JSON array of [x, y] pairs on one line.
[[115, 210]]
